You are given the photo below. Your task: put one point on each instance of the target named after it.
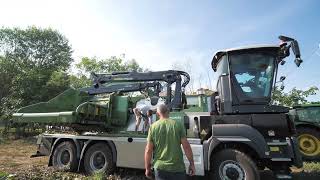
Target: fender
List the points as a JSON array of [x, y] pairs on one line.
[[58, 141], [88, 143], [238, 133]]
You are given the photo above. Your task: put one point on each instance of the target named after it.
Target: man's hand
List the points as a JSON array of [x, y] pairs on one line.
[[148, 173], [147, 159], [188, 151], [192, 170]]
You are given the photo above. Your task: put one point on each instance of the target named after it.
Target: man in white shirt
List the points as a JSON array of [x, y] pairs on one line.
[[144, 110], [144, 113]]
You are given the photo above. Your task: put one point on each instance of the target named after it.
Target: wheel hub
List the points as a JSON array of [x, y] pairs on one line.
[[98, 161], [309, 145], [231, 170], [65, 157], [232, 173]]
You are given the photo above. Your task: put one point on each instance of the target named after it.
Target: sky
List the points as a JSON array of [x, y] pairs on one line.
[[167, 34]]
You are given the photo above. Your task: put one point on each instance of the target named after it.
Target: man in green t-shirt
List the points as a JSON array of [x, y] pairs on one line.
[[165, 138]]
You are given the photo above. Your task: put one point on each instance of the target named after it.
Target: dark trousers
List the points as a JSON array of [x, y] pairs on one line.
[[165, 175]]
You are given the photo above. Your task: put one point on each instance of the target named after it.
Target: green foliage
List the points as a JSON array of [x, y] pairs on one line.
[[30, 60], [3, 175], [44, 49], [58, 82], [88, 65], [79, 81], [99, 176], [293, 97]]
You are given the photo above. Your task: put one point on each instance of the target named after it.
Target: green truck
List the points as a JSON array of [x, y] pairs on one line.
[[233, 134], [307, 120]]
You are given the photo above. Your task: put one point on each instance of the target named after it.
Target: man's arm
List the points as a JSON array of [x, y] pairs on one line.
[[188, 151], [147, 158]]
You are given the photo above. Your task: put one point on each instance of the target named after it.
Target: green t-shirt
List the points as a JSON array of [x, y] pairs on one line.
[[166, 134]]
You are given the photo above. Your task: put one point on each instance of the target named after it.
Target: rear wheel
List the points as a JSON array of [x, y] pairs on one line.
[[64, 156], [231, 164], [98, 158], [309, 143]]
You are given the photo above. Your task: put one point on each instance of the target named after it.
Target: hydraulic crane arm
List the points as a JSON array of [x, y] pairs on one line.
[[169, 77], [180, 78], [127, 87]]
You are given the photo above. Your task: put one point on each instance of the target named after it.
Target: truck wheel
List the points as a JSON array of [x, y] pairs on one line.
[[64, 156], [98, 158], [231, 164], [309, 143]]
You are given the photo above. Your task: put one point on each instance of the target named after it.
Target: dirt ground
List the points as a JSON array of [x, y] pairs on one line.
[[15, 161]]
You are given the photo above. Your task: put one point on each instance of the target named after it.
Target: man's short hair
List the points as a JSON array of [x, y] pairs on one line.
[[162, 109], [149, 112]]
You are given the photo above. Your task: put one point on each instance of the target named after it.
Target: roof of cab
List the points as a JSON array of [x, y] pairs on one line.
[[248, 47], [221, 52]]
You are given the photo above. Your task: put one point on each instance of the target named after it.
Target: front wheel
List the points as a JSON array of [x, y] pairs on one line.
[[231, 164], [98, 158], [65, 157], [309, 143]]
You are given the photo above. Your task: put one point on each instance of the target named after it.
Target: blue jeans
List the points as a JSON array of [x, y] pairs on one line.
[[165, 175]]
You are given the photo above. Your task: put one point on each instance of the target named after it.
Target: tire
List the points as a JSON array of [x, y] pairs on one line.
[[309, 143], [234, 165], [98, 158], [65, 156]]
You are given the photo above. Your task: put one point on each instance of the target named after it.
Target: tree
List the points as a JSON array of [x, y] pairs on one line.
[[88, 65], [45, 49], [108, 65], [29, 59], [293, 97], [58, 82], [7, 100]]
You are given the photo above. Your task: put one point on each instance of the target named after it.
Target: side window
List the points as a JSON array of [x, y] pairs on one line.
[[222, 67]]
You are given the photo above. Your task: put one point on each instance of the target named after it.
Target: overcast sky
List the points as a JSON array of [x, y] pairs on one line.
[[159, 34]]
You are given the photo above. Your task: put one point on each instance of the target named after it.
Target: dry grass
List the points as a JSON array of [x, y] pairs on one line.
[[15, 161], [15, 155]]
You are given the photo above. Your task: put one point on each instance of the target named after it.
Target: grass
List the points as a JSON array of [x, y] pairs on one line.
[[98, 176], [312, 167], [3, 175]]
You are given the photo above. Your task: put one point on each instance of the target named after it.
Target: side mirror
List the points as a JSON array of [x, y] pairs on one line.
[[282, 62], [298, 61], [295, 49], [282, 78]]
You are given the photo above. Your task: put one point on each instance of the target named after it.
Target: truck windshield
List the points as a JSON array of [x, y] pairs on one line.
[[252, 75]]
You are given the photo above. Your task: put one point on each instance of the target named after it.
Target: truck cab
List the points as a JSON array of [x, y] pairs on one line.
[[244, 124]]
